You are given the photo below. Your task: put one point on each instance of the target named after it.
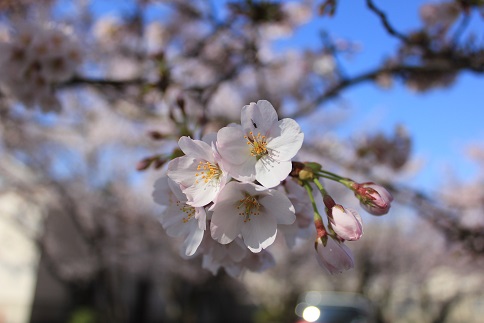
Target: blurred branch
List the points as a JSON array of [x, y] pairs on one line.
[[402, 71], [444, 220], [119, 84], [386, 23]]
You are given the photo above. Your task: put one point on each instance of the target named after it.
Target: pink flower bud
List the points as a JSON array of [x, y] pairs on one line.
[[375, 199], [346, 223], [335, 257]]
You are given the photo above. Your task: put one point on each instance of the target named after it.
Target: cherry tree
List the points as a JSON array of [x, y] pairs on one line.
[[171, 143]]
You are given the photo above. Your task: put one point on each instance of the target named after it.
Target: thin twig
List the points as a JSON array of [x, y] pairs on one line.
[[389, 28]]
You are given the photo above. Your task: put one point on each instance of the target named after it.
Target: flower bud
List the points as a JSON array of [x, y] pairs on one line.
[[305, 175], [328, 201], [333, 256], [346, 223], [156, 135], [315, 167], [144, 164], [375, 199]]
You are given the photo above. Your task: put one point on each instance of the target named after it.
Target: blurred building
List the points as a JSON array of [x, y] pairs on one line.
[[18, 257]]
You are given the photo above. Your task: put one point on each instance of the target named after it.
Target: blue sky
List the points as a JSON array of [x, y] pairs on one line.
[[442, 122]]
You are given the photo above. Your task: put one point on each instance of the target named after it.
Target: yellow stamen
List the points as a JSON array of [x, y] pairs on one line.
[[249, 206], [189, 211], [259, 144], [208, 171]]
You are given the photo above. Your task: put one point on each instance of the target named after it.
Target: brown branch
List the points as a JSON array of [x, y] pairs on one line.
[[443, 219]]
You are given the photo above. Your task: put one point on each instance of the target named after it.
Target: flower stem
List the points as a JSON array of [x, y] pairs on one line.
[[334, 177], [318, 220], [320, 187], [323, 172]]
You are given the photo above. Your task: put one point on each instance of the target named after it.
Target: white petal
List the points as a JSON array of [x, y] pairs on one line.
[[210, 138], [201, 194], [192, 241], [244, 172], [258, 117], [232, 146], [173, 223], [177, 191], [279, 206], [260, 232], [287, 139], [270, 173], [201, 217], [196, 148], [226, 222], [182, 170], [161, 193]]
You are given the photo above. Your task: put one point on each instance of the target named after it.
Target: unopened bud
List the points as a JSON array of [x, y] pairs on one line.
[[320, 229], [306, 175], [158, 163], [155, 135], [346, 223], [375, 199], [144, 164], [328, 201]]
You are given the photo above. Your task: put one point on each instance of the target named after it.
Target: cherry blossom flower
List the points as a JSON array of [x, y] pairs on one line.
[[199, 171], [333, 256], [261, 148], [251, 211], [180, 219], [346, 223]]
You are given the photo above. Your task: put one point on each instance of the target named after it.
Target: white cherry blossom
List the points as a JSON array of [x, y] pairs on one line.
[[199, 171], [251, 211], [261, 148], [180, 219]]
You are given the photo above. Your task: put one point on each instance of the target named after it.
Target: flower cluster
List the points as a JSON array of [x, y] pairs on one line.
[[233, 191], [225, 183], [34, 60]]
